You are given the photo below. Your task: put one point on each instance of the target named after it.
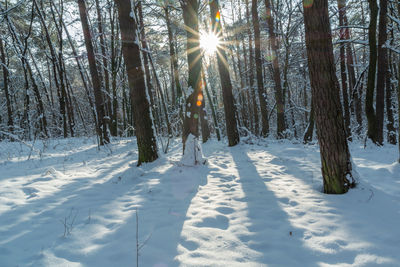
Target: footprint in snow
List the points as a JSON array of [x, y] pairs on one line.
[[225, 210], [30, 192], [189, 245], [220, 222]]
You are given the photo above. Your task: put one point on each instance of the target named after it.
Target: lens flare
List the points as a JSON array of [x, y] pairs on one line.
[[218, 17], [308, 3], [209, 42]]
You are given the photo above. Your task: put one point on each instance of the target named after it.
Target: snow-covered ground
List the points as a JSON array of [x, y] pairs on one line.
[[70, 204]]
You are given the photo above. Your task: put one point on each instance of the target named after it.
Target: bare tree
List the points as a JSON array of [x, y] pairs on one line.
[[98, 95]]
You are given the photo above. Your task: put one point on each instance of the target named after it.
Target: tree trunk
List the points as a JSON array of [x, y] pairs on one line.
[[212, 106], [176, 85], [226, 85], [145, 50], [260, 79], [98, 95], [353, 91], [115, 66], [10, 122], [335, 155], [104, 68], [382, 71], [280, 107], [190, 10], [308, 135], [141, 110], [398, 99], [343, 73], [369, 98], [81, 69], [256, 129], [391, 135]]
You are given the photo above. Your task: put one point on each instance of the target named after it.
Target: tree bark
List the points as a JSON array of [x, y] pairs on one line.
[[335, 155], [226, 84], [104, 68], [382, 71], [190, 10], [141, 110], [98, 95], [308, 135], [10, 122], [369, 98], [280, 107], [256, 123], [176, 85], [343, 73], [260, 79], [212, 106]]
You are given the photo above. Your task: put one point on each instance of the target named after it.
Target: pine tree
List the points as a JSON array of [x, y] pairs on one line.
[[132, 58], [335, 155]]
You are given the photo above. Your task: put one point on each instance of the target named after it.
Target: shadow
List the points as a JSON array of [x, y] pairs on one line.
[[98, 215], [277, 240], [161, 205], [349, 229], [40, 219]]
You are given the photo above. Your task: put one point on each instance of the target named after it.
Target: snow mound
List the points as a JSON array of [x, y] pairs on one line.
[[193, 154]]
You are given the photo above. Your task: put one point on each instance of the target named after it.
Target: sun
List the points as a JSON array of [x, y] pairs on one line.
[[209, 42]]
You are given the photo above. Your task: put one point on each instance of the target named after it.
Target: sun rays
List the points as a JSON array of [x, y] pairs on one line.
[[209, 43]]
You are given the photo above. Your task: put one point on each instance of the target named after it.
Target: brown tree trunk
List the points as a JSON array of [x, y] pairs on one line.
[[343, 73], [354, 92], [335, 155], [212, 106], [141, 110], [391, 135], [80, 67], [398, 99], [280, 107], [256, 129], [190, 10], [115, 66], [10, 122], [260, 79], [176, 85], [98, 95], [226, 85], [369, 97], [146, 54], [104, 68], [308, 135], [382, 71]]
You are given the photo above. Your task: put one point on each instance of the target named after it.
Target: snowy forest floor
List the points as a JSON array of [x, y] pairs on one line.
[[70, 204]]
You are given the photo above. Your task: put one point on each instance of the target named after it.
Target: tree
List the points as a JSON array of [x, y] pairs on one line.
[[382, 71], [190, 134], [98, 95], [141, 109], [226, 84], [343, 72], [10, 122], [335, 156], [369, 97], [280, 108], [259, 69]]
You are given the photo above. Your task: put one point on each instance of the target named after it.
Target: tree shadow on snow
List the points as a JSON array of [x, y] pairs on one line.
[[272, 234]]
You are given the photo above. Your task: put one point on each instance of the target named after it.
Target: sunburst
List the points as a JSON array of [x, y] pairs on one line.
[[209, 43]]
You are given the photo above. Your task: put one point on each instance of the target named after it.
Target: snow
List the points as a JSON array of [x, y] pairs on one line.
[[71, 204], [193, 153]]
